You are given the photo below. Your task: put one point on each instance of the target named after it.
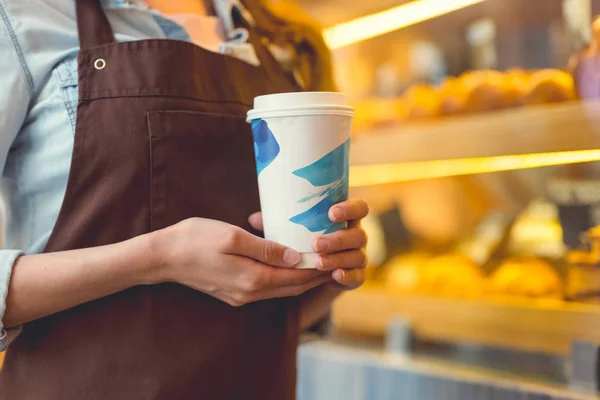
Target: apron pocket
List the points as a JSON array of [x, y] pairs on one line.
[[202, 165]]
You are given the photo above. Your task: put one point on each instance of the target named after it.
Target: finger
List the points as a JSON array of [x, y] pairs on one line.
[[296, 290], [256, 221], [243, 243], [349, 210], [257, 276], [293, 277], [346, 239], [351, 259], [350, 279], [256, 279]]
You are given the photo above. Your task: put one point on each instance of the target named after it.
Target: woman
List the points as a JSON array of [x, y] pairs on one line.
[[137, 276]]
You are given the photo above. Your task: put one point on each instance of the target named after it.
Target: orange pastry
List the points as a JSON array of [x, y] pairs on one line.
[[485, 91], [550, 86], [404, 272], [452, 275], [422, 102], [516, 86], [526, 277], [452, 97]]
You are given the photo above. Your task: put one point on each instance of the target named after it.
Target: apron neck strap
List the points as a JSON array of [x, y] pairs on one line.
[[92, 24]]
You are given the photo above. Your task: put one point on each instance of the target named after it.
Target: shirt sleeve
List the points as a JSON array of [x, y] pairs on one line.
[[7, 260], [16, 87]]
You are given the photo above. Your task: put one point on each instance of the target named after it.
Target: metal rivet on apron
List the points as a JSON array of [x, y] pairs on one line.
[[100, 63]]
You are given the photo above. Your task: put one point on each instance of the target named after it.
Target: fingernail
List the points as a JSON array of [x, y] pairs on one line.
[[337, 214], [341, 274], [321, 245], [319, 262], [291, 257], [324, 262]]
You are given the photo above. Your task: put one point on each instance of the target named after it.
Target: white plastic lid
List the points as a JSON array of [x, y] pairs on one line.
[[301, 103]]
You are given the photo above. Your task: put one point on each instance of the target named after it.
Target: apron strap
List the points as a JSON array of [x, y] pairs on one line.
[[92, 24]]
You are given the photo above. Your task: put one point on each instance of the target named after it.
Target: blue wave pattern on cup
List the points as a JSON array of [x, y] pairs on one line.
[[266, 147], [330, 175]]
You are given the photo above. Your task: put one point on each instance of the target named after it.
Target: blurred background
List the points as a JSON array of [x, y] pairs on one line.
[[476, 145]]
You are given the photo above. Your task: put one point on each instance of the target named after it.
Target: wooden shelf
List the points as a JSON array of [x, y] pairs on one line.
[[543, 129], [540, 326]]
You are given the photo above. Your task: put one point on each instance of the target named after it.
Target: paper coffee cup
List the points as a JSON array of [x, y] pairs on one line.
[[301, 144]]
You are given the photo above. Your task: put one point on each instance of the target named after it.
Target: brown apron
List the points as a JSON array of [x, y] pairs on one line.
[[161, 136]]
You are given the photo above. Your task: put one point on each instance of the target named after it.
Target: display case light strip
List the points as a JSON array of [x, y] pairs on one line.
[[380, 174], [390, 20]]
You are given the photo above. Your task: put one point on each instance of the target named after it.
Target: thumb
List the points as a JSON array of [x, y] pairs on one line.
[[256, 221]]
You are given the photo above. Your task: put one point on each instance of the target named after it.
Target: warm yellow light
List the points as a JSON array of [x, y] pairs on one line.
[[379, 174], [391, 20]]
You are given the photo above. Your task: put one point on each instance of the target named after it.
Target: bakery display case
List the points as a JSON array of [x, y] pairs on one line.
[[476, 144]]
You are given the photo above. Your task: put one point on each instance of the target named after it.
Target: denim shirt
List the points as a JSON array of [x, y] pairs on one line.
[[38, 99]]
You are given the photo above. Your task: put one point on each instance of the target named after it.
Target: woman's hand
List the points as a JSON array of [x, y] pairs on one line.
[[214, 257], [341, 253], [230, 264]]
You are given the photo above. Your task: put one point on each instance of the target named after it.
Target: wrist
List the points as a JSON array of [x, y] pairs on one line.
[[150, 249]]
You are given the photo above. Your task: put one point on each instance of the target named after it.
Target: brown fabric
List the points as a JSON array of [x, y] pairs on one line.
[[161, 136], [96, 31]]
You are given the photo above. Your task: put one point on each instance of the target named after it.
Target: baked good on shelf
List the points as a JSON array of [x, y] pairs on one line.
[[550, 86], [452, 96], [516, 86], [376, 112], [485, 91], [404, 271], [421, 102], [451, 275], [526, 277]]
